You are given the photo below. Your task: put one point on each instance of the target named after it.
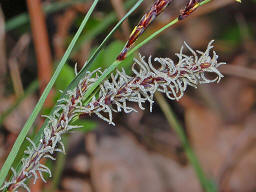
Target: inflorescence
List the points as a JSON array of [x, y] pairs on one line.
[[114, 96]]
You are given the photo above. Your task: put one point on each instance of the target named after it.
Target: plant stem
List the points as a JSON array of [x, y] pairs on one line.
[[116, 63], [8, 163], [17, 145], [61, 159], [42, 47]]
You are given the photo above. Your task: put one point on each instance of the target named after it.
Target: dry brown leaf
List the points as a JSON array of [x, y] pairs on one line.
[[76, 185], [154, 132], [80, 164], [119, 164], [19, 116], [214, 141]]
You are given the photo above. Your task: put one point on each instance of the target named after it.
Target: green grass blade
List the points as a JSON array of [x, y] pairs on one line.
[[91, 59], [174, 123], [108, 20], [81, 74], [111, 68], [7, 165], [206, 184], [23, 18]]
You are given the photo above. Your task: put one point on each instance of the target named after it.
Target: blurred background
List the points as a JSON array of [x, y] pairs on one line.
[[142, 152]]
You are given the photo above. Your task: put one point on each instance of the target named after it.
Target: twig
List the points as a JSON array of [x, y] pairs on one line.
[[64, 21], [14, 66], [14, 151], [119, 9], [41, 42]]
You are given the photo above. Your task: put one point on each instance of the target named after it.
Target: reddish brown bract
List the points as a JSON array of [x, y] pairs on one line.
[[191, 6], [158, 7]]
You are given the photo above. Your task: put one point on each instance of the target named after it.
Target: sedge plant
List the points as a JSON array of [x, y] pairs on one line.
[[91, 92]]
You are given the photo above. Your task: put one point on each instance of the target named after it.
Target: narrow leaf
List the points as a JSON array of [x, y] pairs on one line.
[[8, 163], [81, 74], [75, 82]]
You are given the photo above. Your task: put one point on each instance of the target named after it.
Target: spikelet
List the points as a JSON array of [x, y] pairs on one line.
[[114, 95], [170, 78]]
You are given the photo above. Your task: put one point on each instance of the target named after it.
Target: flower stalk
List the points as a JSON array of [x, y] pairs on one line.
[[169, 78], [114, 96]]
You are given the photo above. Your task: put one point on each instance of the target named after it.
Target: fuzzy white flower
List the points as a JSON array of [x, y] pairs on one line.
[[114, 96]]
